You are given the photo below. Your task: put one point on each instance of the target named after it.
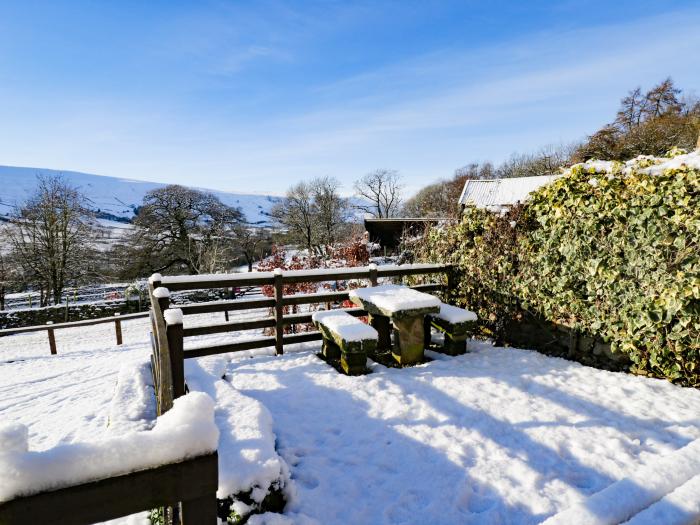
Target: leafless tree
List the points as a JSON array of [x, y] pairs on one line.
[[314, 214], [648, 124], [51, 237], [331, 211], [632, 109], [296, 214], [662, 99], [251, 242], [546, 161], [180, 229], [382, 191]]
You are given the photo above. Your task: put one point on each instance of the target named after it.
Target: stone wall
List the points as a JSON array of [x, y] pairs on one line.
[[62, 314], [559, 340]]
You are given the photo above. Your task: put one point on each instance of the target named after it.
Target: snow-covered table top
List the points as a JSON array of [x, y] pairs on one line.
[[395, 301]]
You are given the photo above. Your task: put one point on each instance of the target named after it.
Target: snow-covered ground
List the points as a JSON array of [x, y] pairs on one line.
[[494, 436]]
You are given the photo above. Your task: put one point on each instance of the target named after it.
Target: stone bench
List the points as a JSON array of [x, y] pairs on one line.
[[455, 323], [347, 338]]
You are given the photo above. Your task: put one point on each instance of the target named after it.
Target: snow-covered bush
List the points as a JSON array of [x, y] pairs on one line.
[[610, 248]]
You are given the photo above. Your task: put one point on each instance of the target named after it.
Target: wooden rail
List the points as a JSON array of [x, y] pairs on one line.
[[50, 328], [169, 340], [191, 483]]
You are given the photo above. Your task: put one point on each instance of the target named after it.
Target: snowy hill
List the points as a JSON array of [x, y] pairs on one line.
[[116, 198]]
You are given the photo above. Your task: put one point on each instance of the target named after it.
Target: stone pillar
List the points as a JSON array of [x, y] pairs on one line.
[[382, 325], [410, 338]]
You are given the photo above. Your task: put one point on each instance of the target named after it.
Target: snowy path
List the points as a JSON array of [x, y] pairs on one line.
[[495, 436]]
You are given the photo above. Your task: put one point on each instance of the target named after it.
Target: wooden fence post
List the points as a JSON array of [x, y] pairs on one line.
[[52, 339], [373, 274], [174, 330], [451, 282], [160, 299], [279, 311], [118, 328]]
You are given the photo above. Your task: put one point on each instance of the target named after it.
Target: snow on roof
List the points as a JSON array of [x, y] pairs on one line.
[[187, 430], [496, 193], [344, 324], [394, 298]]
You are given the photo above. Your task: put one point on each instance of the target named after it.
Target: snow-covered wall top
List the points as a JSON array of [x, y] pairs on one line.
[[114, 196]]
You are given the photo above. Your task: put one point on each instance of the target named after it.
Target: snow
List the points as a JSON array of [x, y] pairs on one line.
[[454, 315], [247, 456], [173, 316], [133, 405], [691, 160], [14, 438], [345, 325], [494, 436], [393, 298], [185, 431], [643, 164], [680, 507], [628, 496], [118, 197], [360, 271], [160, 292]]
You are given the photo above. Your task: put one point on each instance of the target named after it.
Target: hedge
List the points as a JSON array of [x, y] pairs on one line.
[[610, 249]]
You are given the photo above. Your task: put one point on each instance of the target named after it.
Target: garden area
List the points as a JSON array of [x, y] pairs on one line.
[[571, 399]]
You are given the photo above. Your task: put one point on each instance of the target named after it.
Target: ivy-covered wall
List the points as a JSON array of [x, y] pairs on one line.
[[610, 250]]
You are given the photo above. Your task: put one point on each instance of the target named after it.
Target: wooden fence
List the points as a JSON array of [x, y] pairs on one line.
[[191, 483], [168, 339], [50, 328]]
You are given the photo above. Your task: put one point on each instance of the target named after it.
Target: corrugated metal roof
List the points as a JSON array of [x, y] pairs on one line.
[[497, 193]]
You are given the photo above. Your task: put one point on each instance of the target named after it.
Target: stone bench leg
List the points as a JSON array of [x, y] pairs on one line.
[[427, 330], [455, 344], [382, 325], [354, 363], [330, 349], [410, 340]]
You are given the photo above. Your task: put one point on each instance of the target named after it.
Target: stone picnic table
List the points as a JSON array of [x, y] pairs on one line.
[[405, 309]]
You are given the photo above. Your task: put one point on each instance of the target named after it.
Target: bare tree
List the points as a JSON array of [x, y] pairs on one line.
[[314, 214], [51, 237], [632, 109], [649, 124], [251, 242], [296, 214], [546, 161], [662, 99], [382, 189], [180, 228], [331, 211]]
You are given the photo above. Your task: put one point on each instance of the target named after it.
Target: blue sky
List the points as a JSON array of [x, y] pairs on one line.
[[254, 96]]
